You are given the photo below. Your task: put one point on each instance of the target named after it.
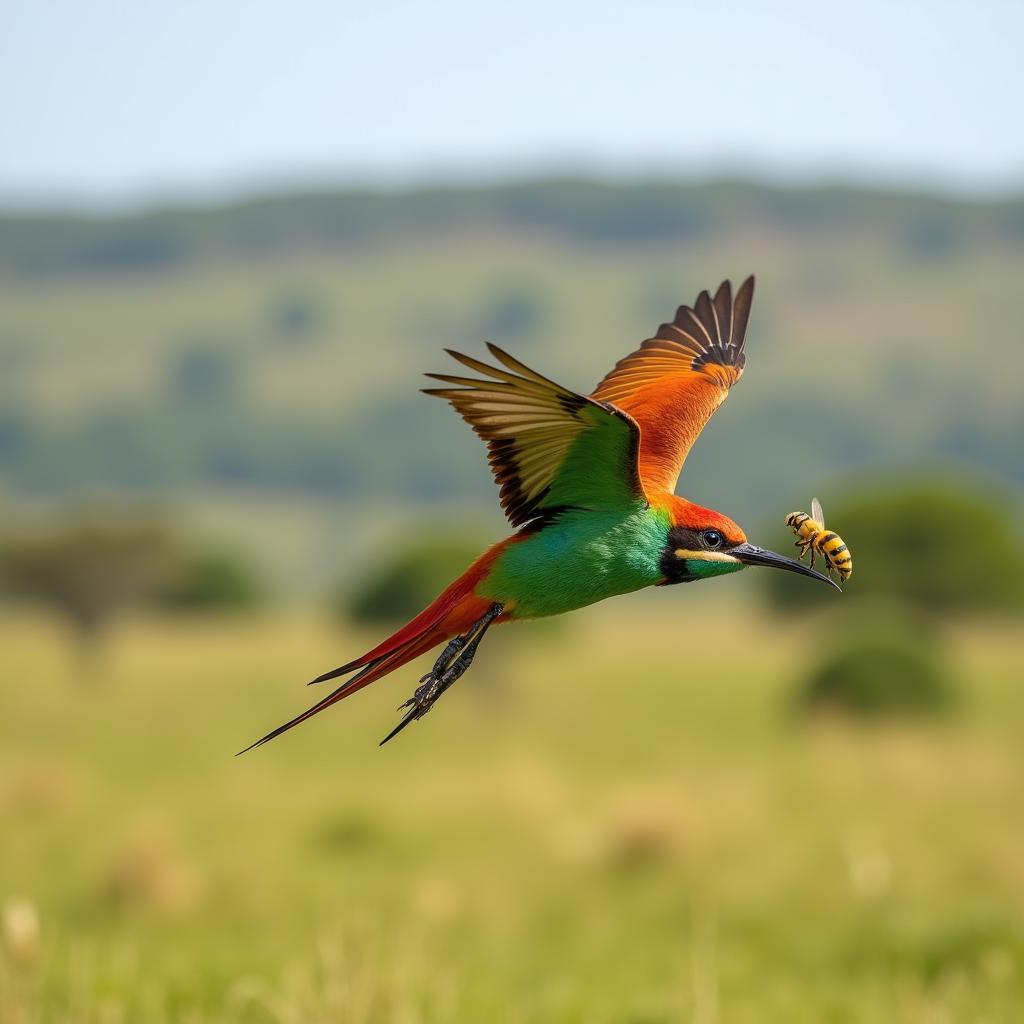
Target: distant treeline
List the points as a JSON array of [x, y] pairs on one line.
[[577, 211], [392, 451]]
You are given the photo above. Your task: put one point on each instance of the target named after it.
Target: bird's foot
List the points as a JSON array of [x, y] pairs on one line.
[[434, 685], [452, 663]]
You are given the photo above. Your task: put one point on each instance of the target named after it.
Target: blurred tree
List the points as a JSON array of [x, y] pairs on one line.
[[135, 247], [296, 317], [402, 585], [88, 571], [931, 237], [213, 581], [202, 375], [14, 432], [514, 312], [579, 211], [943, 547]]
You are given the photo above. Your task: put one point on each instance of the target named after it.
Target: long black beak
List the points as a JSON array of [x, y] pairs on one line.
[[750, 554]]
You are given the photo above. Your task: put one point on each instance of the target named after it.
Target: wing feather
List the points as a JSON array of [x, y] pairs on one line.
[[674, 382], [549, 448]]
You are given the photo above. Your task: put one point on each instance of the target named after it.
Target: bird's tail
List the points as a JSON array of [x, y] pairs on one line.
[[453, 612]]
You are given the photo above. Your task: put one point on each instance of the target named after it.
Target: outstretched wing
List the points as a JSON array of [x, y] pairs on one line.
[[549, 448], [675, 381], [816, 514]]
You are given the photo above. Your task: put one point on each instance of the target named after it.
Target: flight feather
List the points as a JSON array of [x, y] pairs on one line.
[[675, 381], [549, 448]]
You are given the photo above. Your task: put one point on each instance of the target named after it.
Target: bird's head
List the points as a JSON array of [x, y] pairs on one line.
[[702, 543]]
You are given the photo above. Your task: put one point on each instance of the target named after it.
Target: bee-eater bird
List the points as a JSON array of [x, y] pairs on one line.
[[588, 482]]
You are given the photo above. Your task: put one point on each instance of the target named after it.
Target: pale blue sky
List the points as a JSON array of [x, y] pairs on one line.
[[118, 102]]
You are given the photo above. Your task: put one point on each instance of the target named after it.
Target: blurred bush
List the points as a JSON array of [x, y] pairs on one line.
[[943, 547], [889, 662], [296, 317], [921, 551], [203, 374], [346, 833], [402, 584], [212, 580], [515, 312]]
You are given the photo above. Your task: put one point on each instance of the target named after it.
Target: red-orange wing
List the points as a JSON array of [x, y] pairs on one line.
[[675, 381]]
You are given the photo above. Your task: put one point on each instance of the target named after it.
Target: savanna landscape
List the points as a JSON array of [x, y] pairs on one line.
[[617, 824], [635, 817]]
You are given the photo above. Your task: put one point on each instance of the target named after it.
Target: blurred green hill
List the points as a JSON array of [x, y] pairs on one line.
[[570, 211], [271, 349]]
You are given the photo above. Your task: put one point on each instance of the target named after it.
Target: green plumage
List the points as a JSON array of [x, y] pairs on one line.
[[580, 558], [599, 469]]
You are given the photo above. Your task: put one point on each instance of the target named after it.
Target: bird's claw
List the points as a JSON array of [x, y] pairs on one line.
[[421, 698], [425, 697], [454, 660]]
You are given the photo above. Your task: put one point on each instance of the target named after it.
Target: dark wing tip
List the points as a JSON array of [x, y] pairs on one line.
[[712, 330], [741, 312], [723, 322]]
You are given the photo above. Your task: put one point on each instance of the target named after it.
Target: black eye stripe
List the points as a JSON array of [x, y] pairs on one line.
[[683, 538]]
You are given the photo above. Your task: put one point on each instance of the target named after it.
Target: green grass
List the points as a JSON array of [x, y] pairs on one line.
[[616, 822]]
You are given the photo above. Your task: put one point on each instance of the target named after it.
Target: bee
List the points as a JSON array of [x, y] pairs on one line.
[[812, 536]]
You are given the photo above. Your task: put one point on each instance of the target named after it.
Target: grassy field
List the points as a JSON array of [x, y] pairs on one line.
[[613, 822]]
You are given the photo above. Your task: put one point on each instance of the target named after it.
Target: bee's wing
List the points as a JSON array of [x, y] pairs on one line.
[[816, 514]]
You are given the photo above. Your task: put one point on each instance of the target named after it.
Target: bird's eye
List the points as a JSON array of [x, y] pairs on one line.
[[712, 539]]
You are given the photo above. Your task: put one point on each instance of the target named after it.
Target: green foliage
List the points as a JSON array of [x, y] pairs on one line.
[[240, 374], [342, 834], [946, 546], [201, 375], [296, 317], [403, 584], [515, 312], [889, 663], [584, 212], [235, 380], [213, 581]]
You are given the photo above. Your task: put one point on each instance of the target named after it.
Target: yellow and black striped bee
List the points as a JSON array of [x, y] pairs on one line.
[[812, 536]]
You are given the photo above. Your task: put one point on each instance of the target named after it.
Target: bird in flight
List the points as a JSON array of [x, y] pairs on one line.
[[588, 482]]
